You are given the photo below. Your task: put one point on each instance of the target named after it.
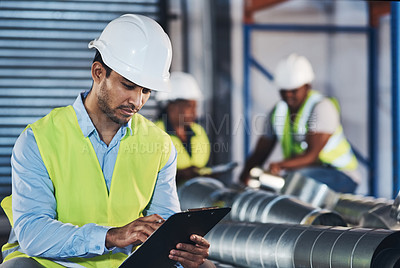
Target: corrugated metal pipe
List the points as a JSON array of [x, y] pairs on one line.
[[254, 205], [204, 192], [282, 245], [309, 190], [387, 216], [294, 183], [353, 207], [266, 207]]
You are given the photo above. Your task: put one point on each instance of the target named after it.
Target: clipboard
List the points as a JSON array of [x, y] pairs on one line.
[[176, 229]]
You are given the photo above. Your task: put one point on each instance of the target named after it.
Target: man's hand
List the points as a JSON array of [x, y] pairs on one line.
[[244, 178], [275, 168], [134, 233], [191, 256]]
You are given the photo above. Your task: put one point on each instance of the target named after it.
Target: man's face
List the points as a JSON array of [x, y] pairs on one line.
[[120, 99], [183, 111], [294, 97]]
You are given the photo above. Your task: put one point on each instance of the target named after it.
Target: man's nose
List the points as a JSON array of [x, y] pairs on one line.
[[137, 97], [289, 92]]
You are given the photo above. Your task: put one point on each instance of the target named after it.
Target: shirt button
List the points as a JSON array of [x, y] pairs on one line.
[[97, 247]]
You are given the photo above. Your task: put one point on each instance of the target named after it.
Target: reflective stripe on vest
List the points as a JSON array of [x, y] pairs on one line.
[[337, 151], [200, 147], [79, 186]]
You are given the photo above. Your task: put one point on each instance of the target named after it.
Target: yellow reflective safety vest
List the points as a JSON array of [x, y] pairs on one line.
[[79, 186], [336, 152], [200, 146]]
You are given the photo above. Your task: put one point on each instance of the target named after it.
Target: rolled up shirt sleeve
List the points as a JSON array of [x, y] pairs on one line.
[[34, 210]]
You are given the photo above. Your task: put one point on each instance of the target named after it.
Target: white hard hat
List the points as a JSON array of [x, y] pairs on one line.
[[293, 72], [183, 86], [137, 48]]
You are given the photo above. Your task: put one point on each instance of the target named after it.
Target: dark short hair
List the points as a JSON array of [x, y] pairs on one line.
[[98, 58]]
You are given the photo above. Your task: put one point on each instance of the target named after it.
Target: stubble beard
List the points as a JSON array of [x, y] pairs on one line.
[[103, 100]]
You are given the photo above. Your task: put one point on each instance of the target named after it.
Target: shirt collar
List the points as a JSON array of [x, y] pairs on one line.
[[86, 123]]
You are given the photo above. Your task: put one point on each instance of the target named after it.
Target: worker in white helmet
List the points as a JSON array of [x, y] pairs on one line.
[[93, 180], [178, 119], [307, 125]]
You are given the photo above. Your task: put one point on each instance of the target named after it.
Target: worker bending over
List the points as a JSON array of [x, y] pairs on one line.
[[92, 181], [307, 125], [178, 119]]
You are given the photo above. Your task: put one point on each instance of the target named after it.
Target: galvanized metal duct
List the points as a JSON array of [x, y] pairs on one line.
[[282, 245], [295, 184], [254, 205], [353, 207], [309, 190], [387, 217], [379, 217], [204, 192], [263, 207]]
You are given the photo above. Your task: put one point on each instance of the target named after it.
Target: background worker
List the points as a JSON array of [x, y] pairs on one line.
[[178, 118], [85, 189], [307, 125]]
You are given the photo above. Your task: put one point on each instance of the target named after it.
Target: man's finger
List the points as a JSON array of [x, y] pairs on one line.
[[187, 259], [199, 240], [192, 249]]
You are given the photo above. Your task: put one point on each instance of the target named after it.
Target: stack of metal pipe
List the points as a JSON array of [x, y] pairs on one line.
[[356, 210], [266, 207], [281, 245], [266, 229], [254, 206]]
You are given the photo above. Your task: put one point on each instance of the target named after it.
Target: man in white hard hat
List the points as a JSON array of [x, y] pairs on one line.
[[93, 180], [178, 120], [307, 125]]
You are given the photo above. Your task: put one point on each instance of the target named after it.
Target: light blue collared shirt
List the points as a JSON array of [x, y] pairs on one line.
[[34, 204]]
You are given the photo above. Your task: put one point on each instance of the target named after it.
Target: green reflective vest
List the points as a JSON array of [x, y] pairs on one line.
[[200, 146], [79, 186], [336, 152]]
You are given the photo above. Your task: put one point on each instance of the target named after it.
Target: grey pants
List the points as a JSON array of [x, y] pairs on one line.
[[21, 262]]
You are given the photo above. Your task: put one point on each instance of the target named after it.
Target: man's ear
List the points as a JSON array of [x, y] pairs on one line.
[[98, 72]]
